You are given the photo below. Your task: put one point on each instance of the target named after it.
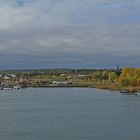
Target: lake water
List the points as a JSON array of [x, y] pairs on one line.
[[68, 114]]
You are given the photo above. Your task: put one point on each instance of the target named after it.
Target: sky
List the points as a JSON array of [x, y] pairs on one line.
[[69, 34]]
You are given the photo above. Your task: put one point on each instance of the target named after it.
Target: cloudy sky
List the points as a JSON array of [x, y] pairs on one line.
[[69, 33]]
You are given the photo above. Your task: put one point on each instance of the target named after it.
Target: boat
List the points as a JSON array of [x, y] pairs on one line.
[[17, 87], [123, 91], [7, 88], [137, 93]]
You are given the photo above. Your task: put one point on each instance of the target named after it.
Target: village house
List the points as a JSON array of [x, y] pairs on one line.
[[6, 77]]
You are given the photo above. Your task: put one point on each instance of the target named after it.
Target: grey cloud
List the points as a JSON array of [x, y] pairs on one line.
[[73, 32]]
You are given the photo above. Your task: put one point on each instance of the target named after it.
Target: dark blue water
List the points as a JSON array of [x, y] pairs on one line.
[[68, 114]]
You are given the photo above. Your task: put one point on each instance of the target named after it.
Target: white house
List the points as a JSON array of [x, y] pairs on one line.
[[6, 77]]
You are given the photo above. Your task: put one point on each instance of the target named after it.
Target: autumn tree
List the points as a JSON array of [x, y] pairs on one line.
[[112, 76]]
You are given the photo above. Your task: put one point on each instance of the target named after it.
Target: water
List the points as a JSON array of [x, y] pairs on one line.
[[68, 114]]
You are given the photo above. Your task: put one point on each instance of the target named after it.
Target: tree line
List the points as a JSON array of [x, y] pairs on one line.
[[125, 77]]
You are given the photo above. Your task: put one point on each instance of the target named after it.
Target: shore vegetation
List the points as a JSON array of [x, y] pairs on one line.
[[126, 78]]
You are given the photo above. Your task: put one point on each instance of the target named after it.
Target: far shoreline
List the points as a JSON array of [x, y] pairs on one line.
[[125, 80]]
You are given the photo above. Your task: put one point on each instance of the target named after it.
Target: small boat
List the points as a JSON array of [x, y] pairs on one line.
[[17, 87], [7, 88], [123, 91], [137, 93]]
